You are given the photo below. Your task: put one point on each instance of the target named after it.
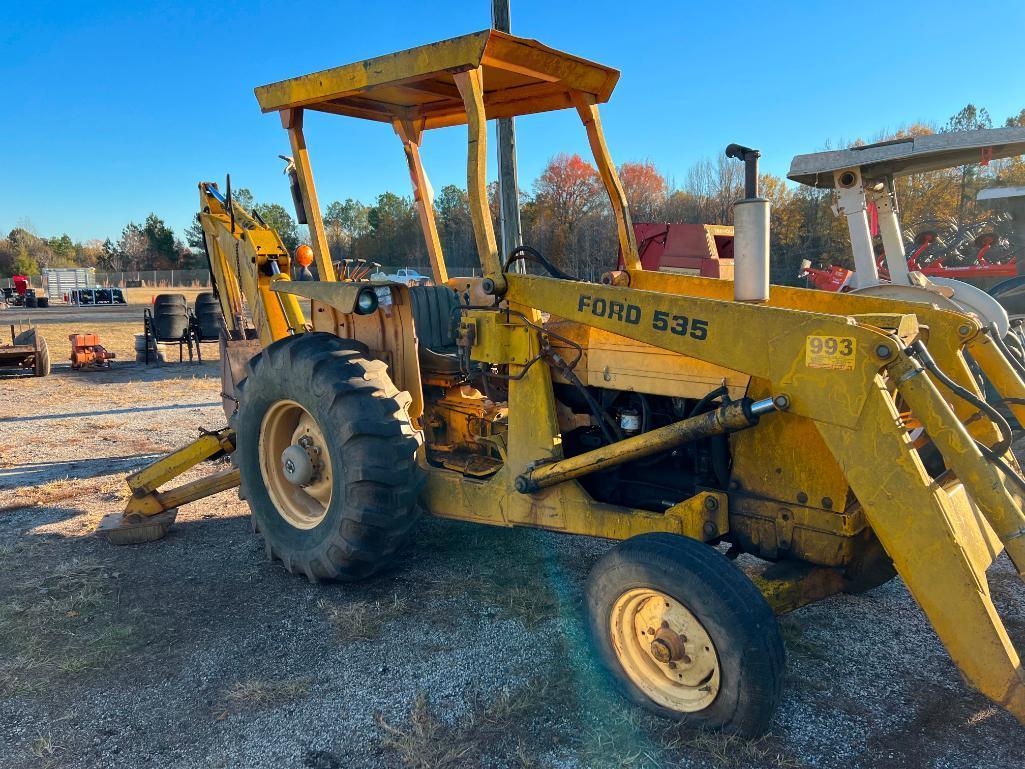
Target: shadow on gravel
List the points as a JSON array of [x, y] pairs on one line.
[[131, 410], [34, 473]]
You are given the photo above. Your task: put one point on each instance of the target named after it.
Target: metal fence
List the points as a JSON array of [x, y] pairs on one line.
[[155, 279], [201, 278], [138, 278]]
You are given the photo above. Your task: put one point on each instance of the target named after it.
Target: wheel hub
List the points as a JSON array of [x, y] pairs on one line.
[[665, 650], [295, 464], [669, 646]]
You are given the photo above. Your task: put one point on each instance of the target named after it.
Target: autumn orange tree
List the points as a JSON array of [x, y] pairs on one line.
[[647, 190], [567, 218]]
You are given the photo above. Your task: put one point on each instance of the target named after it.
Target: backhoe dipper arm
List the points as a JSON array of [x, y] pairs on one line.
[[247, 257]]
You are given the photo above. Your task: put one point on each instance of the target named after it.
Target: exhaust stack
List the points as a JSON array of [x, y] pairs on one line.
[[751, 233]]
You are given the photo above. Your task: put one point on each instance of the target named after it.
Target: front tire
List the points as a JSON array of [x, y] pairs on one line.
[[327, 455], [685, 634]]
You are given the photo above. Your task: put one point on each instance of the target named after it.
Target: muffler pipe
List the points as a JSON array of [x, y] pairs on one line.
[[750, 233], [729, 418]]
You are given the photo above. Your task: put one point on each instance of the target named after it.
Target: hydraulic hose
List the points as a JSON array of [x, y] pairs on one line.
[[720, 443], [707, 398], [1014, 360], [607, 425], [997, 452], [919, 350], [526, 253]]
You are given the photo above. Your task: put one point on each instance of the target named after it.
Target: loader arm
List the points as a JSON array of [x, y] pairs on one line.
[[844, 374]]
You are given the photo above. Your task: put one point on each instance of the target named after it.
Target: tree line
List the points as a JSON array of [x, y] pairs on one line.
[[564, 213]]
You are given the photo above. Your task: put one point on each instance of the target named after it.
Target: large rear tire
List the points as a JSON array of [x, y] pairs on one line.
[[685, 634], [327, 455]]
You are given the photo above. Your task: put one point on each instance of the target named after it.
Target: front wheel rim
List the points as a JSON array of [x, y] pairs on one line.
[[286, 423], [665, 650]]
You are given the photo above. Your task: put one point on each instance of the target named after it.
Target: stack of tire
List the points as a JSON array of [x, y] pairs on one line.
[[209, 320], [170, 317]]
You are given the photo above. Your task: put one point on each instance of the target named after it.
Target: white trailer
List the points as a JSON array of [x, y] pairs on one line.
[[61, 281]]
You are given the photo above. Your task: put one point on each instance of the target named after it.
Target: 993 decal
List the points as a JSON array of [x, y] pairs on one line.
[[634, 315], [832, 352]]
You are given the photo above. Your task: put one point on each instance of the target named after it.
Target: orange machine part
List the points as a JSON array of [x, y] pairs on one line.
[[86, 350]]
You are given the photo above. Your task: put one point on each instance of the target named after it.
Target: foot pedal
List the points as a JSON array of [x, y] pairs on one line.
[[135, 530]]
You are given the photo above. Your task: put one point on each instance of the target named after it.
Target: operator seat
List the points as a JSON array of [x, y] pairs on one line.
[[433, 318]]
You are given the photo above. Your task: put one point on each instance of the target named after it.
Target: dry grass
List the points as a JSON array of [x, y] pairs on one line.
[[732, 752], [144, 295], [116, 334], [428, 742], [258, 695], [362, 620], [56, 491], [42, 746], [44, 750], [58, 620], [627, 737]]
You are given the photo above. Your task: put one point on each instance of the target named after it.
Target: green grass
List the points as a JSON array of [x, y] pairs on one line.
[[57, 619]]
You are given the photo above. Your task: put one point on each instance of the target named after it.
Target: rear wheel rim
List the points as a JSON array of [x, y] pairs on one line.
[[665, 650], [286, 423]]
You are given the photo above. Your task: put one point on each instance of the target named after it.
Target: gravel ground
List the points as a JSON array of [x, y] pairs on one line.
[[196, 652]]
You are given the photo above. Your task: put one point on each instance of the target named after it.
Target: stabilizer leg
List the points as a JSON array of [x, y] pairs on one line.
[[149, 514]]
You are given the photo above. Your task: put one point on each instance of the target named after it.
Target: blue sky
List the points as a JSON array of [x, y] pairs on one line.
[[113, 110]]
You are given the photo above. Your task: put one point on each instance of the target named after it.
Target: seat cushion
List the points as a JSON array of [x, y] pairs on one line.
[[433, 317]]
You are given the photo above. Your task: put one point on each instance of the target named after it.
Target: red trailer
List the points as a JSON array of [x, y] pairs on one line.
[[692, 249]]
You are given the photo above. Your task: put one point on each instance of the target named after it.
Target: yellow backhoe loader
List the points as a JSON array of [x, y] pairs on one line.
[[842, 437]]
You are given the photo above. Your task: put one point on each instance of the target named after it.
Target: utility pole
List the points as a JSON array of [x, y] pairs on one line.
[[508, 189]]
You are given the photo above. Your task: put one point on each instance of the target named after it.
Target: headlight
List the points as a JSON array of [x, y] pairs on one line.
[[366, 301]]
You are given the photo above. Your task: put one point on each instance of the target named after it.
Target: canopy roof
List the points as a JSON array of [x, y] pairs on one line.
[[520, 77], [912, 155]]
